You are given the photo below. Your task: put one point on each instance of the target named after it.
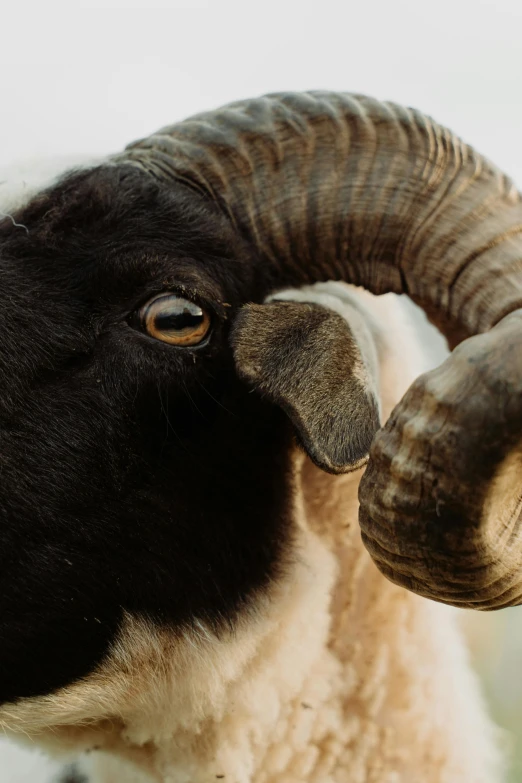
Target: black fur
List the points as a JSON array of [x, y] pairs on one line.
[[135, 476]]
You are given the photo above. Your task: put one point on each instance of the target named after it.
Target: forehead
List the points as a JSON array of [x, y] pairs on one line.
[[110, 230]]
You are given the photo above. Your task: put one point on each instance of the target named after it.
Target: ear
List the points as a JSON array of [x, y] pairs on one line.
[[308, 360]]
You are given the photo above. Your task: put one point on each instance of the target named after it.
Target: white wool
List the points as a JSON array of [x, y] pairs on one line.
[[19, 182]]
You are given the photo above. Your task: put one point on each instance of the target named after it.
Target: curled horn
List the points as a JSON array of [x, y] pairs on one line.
[[337, 186]]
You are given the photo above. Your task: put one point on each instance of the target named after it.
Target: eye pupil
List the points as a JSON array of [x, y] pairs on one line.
[[178, 317], [175, 320]]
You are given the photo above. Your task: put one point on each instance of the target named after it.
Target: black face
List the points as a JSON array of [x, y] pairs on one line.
[[137, 474]]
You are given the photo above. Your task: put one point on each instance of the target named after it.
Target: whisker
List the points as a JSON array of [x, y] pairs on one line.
[[231, 413], [170, 427], [193, 401]]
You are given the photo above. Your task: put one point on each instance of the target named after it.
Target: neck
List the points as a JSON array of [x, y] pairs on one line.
[[242, 701], [338, 675]]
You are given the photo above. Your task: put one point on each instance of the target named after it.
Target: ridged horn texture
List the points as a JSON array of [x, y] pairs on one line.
[[337, 186]]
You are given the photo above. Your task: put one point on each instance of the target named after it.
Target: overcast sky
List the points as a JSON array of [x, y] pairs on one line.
[[81, 79]]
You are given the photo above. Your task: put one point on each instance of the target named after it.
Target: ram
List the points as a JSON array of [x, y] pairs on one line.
[[184, 588]]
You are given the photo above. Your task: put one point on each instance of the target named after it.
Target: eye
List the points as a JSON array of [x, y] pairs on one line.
[[174, 320]]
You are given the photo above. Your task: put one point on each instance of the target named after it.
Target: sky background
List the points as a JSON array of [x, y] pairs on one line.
[[86, 79]]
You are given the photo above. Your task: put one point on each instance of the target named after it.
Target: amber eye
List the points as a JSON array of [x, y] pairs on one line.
[[174, 320]]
